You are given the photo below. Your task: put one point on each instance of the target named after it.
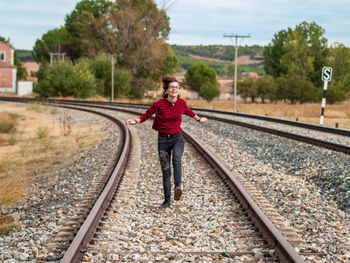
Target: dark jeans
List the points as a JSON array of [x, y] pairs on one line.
[[167, 145]]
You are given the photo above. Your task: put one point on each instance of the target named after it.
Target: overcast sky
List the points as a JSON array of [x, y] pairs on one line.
[[192, 22]]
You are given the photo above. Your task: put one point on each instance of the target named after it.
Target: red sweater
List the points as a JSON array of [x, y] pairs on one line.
[[168, 116]]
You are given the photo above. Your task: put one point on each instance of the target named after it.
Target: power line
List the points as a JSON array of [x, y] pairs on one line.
[[235, 81]]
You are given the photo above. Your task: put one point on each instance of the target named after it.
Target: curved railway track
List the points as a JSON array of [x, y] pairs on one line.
[[300, 133], [284, 250]]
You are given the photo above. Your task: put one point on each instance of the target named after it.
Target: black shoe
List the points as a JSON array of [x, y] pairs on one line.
[[165, 204], [177, 193]]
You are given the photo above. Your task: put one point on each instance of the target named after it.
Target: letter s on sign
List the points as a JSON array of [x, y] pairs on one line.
[[326, 73]]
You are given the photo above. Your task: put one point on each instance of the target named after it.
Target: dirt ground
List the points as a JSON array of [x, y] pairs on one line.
[[43, 139], [31, 67]]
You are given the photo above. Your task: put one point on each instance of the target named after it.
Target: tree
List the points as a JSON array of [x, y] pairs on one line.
[[42, 47], [305, 52], [135, 32], [21, 71], [65, 79], [294, 89], [209, 91], [339, 60], [248, 89], [273, 53], [266, 88], [101, 68], [202, 79], [85, 12], [302, 51]]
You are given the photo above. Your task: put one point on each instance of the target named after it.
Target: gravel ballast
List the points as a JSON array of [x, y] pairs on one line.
[[49, 204], [308, 185]]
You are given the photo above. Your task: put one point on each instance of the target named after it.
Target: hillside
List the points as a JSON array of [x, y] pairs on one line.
[[221, 52], [25, 55], [221, 58]]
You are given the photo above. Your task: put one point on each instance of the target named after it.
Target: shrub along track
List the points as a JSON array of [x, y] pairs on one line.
[[283, 249]]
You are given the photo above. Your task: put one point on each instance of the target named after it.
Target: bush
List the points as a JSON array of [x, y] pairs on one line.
[[8, 122], [82, 81], [267, 88], [209, 91], [101, 68], [335, 94], [297, 89], [63, 79], [55, 80], [247, 89]]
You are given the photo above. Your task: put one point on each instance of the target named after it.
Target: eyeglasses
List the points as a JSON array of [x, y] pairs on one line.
[[174, 87]]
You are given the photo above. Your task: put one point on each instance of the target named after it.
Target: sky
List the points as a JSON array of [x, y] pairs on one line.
[[192, 22]]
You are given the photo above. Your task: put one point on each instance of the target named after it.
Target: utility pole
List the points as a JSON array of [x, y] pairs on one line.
[[235, 81], [112, 78]]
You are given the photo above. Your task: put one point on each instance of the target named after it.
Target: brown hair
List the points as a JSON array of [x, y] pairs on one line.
[[166, 80]]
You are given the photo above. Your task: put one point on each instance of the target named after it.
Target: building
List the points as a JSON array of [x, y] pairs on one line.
[[245, 75], [8, 70]]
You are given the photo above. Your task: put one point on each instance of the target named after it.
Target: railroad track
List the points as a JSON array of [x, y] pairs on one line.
[[322, 136], [283, 250]]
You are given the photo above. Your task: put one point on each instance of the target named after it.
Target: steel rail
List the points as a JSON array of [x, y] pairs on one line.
[[79, 244], [283, 248], [301, 138], [344, 132]]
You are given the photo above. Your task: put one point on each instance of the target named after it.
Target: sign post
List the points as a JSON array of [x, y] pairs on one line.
[[326, 77]]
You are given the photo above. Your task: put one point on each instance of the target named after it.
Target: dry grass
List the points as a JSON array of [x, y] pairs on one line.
[[8, 122], [41, 142], [308, 112]]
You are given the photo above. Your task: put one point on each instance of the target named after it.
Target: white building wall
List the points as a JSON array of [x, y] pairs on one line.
[[24, 88]]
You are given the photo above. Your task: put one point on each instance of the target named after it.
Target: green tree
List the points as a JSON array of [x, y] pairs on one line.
[[266, 88], [85, 12], [82, 81], [209, 91], [302, 51], [42, 47], [64, 79], [339, 60], [248, 89], [297, 55], [294, 89], [101, 68], [202, 79], [55, 80], [305, 52], [135, 33], [273, 53]]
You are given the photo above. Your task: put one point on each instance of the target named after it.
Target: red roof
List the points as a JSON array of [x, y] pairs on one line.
[[4, 64]]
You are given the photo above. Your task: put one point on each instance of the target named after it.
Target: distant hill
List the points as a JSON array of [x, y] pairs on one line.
[[221, 52], [221, 58], [25, 55]]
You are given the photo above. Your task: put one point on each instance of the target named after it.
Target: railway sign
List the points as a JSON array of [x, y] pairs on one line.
[[326, 73], [326, 77]]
